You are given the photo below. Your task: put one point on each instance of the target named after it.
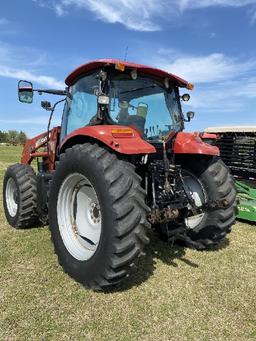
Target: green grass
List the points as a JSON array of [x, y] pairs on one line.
[[176, 294]]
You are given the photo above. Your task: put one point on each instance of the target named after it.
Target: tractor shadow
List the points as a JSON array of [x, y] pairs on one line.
[[244, 221], [156, 250], [41, 224], [166, 253]]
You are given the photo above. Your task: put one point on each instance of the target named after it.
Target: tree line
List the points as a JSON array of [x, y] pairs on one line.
[[13, 137]]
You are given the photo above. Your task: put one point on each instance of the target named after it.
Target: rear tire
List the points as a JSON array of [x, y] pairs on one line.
[[210, 229], [20, 196], [97, 247]]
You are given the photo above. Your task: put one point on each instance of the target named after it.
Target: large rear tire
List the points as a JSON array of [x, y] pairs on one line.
[[97, 216], [20, 196], [209, 180]]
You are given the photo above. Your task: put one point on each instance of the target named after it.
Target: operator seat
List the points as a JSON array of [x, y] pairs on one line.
[[138, 120]]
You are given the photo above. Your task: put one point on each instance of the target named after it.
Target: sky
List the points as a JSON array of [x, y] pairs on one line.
[[211, 43]]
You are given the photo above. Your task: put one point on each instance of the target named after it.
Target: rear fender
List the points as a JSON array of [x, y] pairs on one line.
[[125, 143], [191, 143]]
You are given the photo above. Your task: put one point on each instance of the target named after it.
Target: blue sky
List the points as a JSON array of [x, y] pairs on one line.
[[211, 43]]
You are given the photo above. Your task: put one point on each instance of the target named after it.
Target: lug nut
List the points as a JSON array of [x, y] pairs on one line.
[[225, 203]]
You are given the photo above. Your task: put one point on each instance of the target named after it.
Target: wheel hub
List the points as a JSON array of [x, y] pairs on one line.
[[11, 197], [95, 214], [79, 216], [198, 194]]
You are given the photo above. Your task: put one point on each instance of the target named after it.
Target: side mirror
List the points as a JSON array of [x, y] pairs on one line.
[[25, 92], [46, 105], [190, 115]]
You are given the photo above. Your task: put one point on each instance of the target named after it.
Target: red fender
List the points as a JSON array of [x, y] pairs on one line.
[[191, 143], [124, 140], [209, 136]]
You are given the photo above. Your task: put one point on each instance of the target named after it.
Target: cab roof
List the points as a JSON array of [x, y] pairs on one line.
[[94, 65]]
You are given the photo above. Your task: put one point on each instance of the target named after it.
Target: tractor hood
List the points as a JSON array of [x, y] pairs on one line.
[[121, 65]]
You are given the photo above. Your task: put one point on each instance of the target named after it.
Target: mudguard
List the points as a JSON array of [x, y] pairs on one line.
[[191, 143], [122, 139]]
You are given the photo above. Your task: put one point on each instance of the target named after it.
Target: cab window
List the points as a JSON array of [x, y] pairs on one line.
[[83, 106]]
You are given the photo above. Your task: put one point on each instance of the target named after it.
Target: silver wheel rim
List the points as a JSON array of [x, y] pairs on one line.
[[11, 195], [195, 187], [79, 216]]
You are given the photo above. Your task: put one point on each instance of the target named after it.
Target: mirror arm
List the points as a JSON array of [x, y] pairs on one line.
[[54, 92]]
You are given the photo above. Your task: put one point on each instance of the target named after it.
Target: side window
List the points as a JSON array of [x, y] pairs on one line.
[[82, 109], [79, 111]]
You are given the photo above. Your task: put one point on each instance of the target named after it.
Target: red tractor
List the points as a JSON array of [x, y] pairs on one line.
[[119, 164]]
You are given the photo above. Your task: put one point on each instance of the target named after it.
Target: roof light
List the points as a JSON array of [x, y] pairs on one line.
[[120, 66], [185, 97], [190, 86], [103, 100], [190, 115]]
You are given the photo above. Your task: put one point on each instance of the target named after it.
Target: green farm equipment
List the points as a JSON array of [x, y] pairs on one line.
[[238, 150], [247, 200]]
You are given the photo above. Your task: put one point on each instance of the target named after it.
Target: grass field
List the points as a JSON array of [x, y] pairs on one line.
[[176, 294]]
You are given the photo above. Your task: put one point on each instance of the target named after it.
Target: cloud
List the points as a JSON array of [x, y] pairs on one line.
[[4, 21], [135, 15], [142, 15], [5, 71], [59, 10], [195, 4], [224, 97], [253, 18], [203, 69], [41, 120], [28, 68], [223, 84]]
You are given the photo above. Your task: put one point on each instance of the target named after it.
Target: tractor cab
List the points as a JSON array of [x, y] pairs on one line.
[[113, 93]]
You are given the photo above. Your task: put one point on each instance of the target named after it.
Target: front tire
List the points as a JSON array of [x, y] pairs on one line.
[[97, 216], [20, 196]]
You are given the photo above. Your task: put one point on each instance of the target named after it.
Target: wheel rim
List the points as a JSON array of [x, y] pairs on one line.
[[196, 189], [11, 194], [79, 216]]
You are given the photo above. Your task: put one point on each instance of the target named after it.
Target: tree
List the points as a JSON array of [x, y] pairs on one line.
[[22, 137], [3, 137], [12, 137]]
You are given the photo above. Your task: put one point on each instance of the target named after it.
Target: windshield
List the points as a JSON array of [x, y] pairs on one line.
[[141, 103], [145, 105]]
